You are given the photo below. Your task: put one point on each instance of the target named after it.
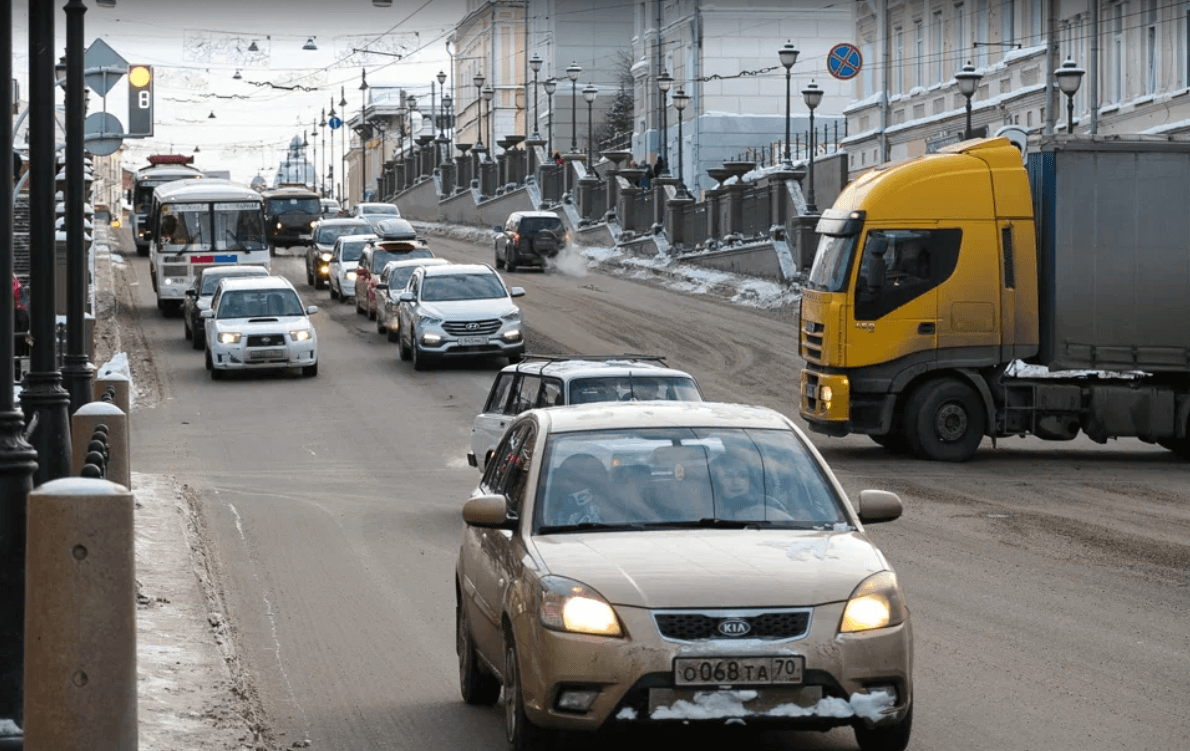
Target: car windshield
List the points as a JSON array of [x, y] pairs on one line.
[[210, 281], [682, 477], [379, 209], [400, 277], [532, 224], [462, 287], [352, 251], [832, 263], [260, 303], [279, 206], [382, 257], [328, 235], [627, 388]]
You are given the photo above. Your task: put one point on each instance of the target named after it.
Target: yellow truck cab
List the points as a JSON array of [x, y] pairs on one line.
[[929, 282]]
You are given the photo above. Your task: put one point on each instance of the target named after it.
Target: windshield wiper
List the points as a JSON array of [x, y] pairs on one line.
[[710, 522], [586, 526], [238, 244]]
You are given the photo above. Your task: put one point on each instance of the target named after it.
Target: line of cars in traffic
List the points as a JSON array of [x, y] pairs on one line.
[[632, 553]]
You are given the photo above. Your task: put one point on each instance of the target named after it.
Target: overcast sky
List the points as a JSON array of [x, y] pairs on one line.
[[196, 46]]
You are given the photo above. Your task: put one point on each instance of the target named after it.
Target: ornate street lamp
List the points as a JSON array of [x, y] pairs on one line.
[[968, 80], [812, 96], [436, 114], [550, 87], [664, 82], [321, 181], [788, 56], [488, 94], [681, 98], [572, 73], [589, 94], [342, 145], [1069, 76], [448, 120], [535, 65], [478, 81]]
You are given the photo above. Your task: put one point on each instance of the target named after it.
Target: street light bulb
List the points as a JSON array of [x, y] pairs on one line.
[[680, 98], [812, 95], [139, 76], [550, 87], [309, 45], [478, 80], [488, 93], [1070, 77], [590, 92], [788, 55], [442, 77], [665, 81], [968, 80], [573, 71], [535, 63], [237, 76]]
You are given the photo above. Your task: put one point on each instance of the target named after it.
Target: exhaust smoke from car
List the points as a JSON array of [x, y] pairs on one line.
[[570, 261]]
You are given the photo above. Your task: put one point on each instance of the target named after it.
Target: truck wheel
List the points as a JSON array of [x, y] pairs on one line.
[[944, 421]]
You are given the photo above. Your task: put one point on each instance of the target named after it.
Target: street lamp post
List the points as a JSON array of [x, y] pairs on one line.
[[1069, 76], [535, 65], [76, 370], [437, 115], [18, 460], [342, 143], [363, 135], [788, 56], [322, 165], [305, 166], [812, 96], [550, 87], [968, 79], [478, 81], [488, 94], [681, 98], [589, 94], [572, 73], [448, 103], [664, 82]]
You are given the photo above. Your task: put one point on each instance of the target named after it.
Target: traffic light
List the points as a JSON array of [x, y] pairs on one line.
[[140, 100]]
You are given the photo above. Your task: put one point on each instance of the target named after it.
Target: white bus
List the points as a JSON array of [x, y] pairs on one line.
[[164, 169], [200, 223]]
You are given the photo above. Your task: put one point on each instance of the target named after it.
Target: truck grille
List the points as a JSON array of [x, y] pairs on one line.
[[812, 341], [775, 625], [266, 340], [810, 392], [472, 328]]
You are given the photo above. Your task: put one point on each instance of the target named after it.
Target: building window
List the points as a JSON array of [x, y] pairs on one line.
[[919, 54], [866, 78], [1152, 60], [981, 20], [1007, 25], [1036, 26], [936, 48], [960, 35], [898, 84], [1117, 52]]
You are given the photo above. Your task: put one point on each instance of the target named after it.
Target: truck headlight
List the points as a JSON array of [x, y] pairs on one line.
[[875, 603], [568, 605], [300, 335], [228, 337], [825, 393]]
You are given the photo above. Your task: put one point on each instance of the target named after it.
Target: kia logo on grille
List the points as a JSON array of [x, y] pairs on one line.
[[472, 326], [734, 627]]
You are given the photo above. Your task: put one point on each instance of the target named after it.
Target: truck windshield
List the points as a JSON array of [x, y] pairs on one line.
[[832, 263]]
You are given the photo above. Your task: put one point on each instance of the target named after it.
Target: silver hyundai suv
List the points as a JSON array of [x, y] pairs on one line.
[[459, 310]]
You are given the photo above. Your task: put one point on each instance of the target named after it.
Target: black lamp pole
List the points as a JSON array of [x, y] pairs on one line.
[[664, 82], [76, 369], [550, 86], [321, 181], [363, 135], [18, 460], [343, 143], [43, 397], [572, 73]]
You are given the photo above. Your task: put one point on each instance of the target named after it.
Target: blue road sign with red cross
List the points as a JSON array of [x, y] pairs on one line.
[[844, 61]]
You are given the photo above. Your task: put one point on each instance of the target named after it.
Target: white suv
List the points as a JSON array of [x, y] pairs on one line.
[[459, 310], [558, 380], [259, 323]]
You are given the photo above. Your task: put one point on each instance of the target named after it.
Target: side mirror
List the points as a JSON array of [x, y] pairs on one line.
[[208, 313], [497, 229], [381, 286], [878, 506], [517, 292], [488, 511], [407, 297], [311, 310]]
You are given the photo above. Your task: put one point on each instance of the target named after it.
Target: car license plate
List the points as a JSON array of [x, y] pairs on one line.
[[737, 671], [266, 354], [472, 341]]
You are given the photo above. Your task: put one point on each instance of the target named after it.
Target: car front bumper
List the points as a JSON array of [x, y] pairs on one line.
[[634, 675], [239, 357]]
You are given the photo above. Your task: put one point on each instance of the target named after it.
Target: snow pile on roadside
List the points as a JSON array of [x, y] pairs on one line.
[[1023, 370], [455, 231]]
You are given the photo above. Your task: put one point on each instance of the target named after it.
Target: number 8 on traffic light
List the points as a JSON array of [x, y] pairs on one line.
[[140, 100]]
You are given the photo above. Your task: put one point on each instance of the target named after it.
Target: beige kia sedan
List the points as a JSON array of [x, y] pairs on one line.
[[647, 562]]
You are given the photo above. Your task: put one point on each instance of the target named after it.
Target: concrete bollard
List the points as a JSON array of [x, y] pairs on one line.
[[123, 388], [83, 423], [80, 618]]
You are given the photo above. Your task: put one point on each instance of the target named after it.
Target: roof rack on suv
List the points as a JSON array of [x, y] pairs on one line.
[[601, 358]]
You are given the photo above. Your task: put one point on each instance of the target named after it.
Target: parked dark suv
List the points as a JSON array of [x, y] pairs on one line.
[[529, 238]]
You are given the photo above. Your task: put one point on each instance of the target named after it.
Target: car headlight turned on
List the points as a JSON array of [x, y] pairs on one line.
[[325, 257], [228, 337], [568, 605], [876, 603], [512, 335], [301, 335], [351, 275]]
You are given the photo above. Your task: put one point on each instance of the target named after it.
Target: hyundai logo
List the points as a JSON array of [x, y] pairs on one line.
[[734, 627], [472, 326]]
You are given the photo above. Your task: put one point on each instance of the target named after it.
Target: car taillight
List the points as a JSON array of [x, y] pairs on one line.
[[516, 238]]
